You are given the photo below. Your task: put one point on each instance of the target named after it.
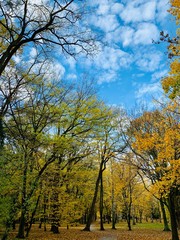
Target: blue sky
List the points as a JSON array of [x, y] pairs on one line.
[[128, 67]]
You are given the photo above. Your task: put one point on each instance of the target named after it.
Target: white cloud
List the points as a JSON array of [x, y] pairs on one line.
[[107, 23], [117, 8], [162, 7], [148, 90], [109, 62], [17, 59], [111, 58], [133, 12], [71, 63], [146, 32], [33, 52], [72, 76], [103, 9], [127, 35], [143, 34], [137, 75], [148, 61], [158, 75], [108, 77]]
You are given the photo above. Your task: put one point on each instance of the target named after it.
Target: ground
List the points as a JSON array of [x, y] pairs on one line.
[[148, 231]]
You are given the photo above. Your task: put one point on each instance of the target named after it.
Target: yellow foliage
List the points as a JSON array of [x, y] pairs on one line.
[[157, 138], [175, 9], [171, 84]]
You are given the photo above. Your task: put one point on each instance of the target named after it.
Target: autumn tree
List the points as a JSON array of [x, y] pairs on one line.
[[28, 26], [108, 144], [155, 141], [43, 24], [74, 190], [50, 124], [171, 83]]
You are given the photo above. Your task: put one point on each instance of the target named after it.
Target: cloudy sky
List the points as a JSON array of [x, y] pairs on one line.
[[128, 67]]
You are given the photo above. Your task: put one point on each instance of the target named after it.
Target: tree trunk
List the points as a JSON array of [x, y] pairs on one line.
[[172, 211], [55, 228], [129, 218], [32, 217], [177, 208], [140, 215], [129, 208], [166, 226], [113, 202], [1, 132], [55, 200], [91, 211], [101, 202], [21, 230]]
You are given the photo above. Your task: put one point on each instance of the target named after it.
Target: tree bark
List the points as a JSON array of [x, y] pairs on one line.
[[172, 211], [113, 202], [55, 200], [129, 218], [32, 216], [21, 231], [91, 212], [129, 208], [101, 201], [166, 226]]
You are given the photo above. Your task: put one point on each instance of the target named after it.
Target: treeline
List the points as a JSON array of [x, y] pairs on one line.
[[65, 156]]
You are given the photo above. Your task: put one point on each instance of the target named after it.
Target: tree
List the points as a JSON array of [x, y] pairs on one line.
[[108, 143], [50, 124], [43, 24], [171, 83], [155, 141]]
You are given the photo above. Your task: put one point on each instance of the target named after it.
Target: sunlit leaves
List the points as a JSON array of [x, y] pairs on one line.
[[171, 83], [156, 139]]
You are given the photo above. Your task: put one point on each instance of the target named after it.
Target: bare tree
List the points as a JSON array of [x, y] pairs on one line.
[[43, 24]]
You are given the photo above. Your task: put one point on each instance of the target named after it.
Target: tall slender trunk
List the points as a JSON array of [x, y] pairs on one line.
[[140, 215], [129, 208], [55, 215], [174, 228], [112, 201], [101, 201], [91, 211], [21, 230], [166, 226], [1, 133], [129, 217], [32, 216], [44, 212]]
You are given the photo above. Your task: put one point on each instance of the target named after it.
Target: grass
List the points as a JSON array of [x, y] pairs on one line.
[[155, 225]]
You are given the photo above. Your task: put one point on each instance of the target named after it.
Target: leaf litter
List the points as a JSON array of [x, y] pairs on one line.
[[78, 234]]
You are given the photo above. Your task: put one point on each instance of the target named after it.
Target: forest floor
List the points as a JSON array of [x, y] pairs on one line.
[[140, 232]]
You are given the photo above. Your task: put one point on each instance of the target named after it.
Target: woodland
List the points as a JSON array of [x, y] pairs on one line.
[[68, 161]]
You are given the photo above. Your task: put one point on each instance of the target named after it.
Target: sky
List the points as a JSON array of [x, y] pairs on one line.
[[129, 66]]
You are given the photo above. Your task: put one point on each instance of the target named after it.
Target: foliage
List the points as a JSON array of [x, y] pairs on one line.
[[156, 140], [171, 83]]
